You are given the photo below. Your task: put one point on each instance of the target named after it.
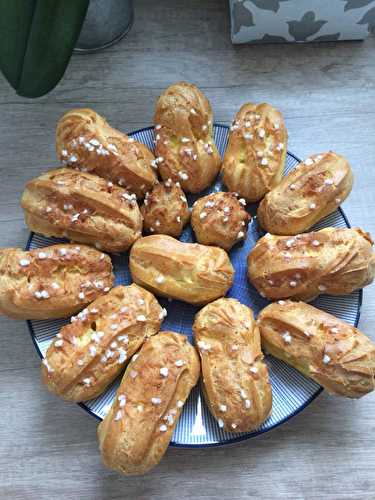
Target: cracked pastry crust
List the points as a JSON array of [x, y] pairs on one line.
[[314, 189], [254, 160], [184, 144], [235, 377], [165, 209], [322, 347], [194, 273], [220, 219], [85, 141], [332, 261], [88, 354], [82, 207], [51, 282], [135, 434]]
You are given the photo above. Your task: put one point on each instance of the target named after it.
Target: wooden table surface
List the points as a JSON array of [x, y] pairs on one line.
[[326, 93]]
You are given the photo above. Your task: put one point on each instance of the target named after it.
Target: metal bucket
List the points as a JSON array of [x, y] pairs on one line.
[[106, 22]]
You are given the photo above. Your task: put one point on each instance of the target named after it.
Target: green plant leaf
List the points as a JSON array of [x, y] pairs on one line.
[[38, 38], [15, 22]]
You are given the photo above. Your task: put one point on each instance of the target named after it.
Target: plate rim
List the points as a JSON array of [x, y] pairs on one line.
[[251, 434]]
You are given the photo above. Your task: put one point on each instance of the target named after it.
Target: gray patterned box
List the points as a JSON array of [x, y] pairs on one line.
[[261, 21]]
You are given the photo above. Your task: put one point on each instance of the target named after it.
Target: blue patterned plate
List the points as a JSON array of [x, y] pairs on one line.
[[292, 392]]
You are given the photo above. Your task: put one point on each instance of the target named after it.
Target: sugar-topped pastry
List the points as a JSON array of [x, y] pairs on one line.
[[184, 146], [334, 354], [83, 207], [52, 282], [194, 273], [220, 219], [254, 160], [235, 377], [314, 189], [333, 261], [85, 141], [89, 353], [165, 209], [136, 431]]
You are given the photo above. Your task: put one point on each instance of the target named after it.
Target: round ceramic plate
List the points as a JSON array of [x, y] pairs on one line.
[[291, 391]]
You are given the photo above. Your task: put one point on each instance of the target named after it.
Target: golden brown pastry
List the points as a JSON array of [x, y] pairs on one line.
[[333, 261], [82, 207], [235, 377], [254, 160], [136, 432], [220, 219], [184, 144], [165, 209], [321, 346], [190, 272], [85, 141], [313, 190], [88, 354], [51, 282]]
